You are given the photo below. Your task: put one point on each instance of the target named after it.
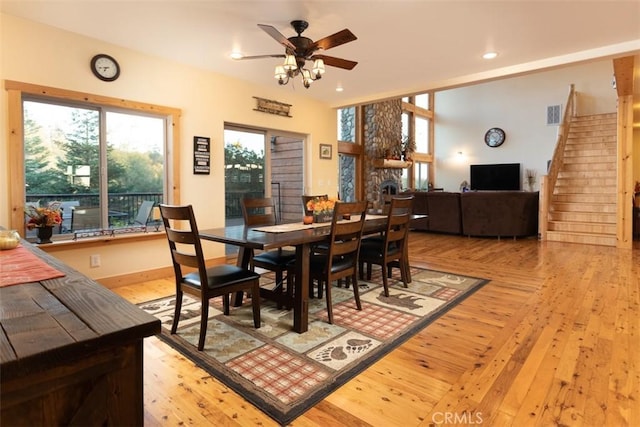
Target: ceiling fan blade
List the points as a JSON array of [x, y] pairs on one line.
[[275, 55], [277, 35], [341, 37], [336, 62]]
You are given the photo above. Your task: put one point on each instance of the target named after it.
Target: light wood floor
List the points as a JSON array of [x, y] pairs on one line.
[[553, 339]]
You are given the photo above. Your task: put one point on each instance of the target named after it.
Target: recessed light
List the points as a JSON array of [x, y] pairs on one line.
[[236, 55], [490, 55], [339, 89]]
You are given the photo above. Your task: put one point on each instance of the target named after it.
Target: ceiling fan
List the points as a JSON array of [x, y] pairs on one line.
[[300, 49]]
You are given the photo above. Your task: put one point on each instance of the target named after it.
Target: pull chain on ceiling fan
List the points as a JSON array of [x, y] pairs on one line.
[[300, 49]]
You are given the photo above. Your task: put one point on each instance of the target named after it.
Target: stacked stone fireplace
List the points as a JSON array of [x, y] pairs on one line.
[[382, 135]]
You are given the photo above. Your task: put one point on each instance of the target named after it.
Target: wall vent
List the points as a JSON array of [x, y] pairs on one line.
[[553, 114]]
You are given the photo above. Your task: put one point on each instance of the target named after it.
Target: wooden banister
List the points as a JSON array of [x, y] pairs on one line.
[[548, 181]]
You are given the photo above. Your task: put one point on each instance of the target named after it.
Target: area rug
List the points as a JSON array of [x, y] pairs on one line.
[[284, 373]]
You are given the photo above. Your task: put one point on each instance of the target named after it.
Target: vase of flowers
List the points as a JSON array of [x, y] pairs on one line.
[[322, 209], [43, 219]]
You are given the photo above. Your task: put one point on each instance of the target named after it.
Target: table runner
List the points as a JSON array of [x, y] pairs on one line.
[[20, 265], [294, 226]]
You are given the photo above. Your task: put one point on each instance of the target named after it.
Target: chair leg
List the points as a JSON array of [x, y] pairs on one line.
[[408, 267], [278, 289], [385, 281], [368, 271], [361, 269], [176, 312], [255, 302], [404, 272], [204, 318], [329, 304], [356, 292], [290, 284], [225, 304]]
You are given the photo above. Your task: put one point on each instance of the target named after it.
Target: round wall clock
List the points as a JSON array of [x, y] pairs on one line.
[[105, 67], [494, 137]]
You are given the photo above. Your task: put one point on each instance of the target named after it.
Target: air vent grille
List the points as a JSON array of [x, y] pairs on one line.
[[553, 115]]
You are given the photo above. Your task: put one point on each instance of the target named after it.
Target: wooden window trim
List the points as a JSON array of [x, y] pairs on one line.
[[16, 91]]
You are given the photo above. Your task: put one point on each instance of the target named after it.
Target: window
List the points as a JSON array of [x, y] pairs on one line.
[[101, 157], [101, 178], [350, 155], [417, 125]]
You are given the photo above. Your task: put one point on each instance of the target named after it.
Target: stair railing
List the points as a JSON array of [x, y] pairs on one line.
[[548, 182]]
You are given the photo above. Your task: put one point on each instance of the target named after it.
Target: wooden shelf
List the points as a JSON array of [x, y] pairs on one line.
[[391, 164]]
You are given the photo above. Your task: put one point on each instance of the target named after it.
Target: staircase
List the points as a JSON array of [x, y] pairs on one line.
[[583, 205]]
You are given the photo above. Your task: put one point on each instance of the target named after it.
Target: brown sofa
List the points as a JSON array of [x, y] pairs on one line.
[[478, 213], [442, 209], [499, 213]]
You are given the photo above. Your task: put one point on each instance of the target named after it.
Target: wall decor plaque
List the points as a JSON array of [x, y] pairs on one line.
[[272, 107], [201, 155]]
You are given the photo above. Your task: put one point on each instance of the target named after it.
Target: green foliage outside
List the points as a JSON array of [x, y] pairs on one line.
[[48, 164]]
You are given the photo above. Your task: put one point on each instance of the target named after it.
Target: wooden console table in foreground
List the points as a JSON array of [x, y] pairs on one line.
[[70, 352]]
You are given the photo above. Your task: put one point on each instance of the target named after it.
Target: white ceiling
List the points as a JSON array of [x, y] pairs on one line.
[[403, 46]]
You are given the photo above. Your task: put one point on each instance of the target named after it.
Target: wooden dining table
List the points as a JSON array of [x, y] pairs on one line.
[[249, 239]]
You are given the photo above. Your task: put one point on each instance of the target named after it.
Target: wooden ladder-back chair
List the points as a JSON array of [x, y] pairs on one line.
[[204, 283], [261, 212], [339, 259], [391, 249]]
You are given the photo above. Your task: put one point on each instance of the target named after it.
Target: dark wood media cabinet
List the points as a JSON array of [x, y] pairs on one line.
[[70, 352]]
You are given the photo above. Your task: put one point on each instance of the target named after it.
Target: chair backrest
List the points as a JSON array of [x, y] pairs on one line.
[[398, 220], [85, 218], [346, 235], [184, 240], [259, 211], [144, 212], [306, 199]]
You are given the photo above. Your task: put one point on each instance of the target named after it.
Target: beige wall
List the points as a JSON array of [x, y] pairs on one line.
[[518, 105], [43, 55]]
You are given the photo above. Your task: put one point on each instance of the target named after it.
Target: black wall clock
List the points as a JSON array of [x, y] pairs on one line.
[[494, 137], [105, 67]]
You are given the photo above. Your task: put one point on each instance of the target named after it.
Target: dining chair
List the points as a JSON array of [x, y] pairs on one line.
[[261, 211], [339, 260], [391, 248], [204, 283]]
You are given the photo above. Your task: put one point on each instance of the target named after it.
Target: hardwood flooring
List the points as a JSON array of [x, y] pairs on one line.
[[553, 339]]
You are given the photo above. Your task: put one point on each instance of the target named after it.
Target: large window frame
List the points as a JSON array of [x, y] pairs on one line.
[[17, 91], [415, 112]]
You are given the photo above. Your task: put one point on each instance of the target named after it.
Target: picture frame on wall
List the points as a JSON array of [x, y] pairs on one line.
[[325, 151]]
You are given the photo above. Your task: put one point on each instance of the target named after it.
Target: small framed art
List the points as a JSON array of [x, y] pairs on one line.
[[325, 151]]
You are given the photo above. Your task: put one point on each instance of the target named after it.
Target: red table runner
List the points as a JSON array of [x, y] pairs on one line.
[[19, 265]]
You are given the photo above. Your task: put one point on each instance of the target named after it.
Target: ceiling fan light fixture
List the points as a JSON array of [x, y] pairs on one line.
[[306, 78], [280, 73], [300, 49], [290, 63], [318, 68]]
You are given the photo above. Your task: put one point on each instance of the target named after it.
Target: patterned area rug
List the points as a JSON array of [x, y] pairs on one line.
[[284, 373]]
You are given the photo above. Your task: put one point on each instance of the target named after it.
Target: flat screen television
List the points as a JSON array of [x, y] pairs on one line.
[[502, 176]]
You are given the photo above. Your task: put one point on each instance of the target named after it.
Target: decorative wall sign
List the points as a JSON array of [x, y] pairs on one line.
[[272, 107], [201, 155], [325, 151]]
